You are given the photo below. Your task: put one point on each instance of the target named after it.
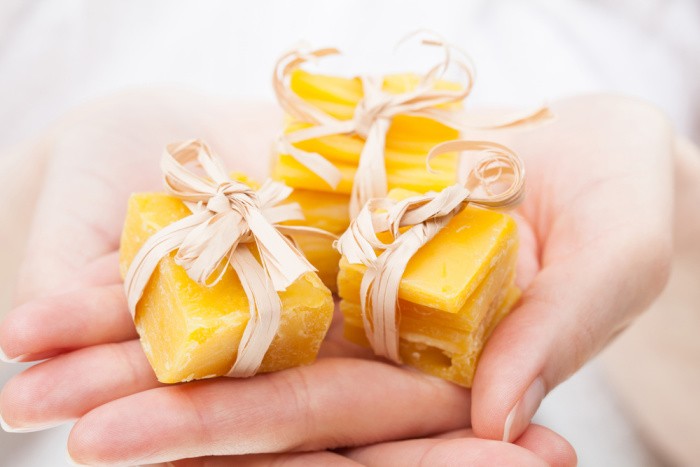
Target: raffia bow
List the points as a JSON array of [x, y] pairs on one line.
[[374, 113], [496, 181], [227, 216]]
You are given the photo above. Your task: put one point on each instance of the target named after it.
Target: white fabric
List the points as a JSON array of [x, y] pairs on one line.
[[54, 55]]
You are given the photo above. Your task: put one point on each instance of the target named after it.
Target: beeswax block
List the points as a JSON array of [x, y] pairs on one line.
[[431, 357], [321, 254], [408, 140], [338, 96], [454, 291], [327, 211], [189, 331], [437, 324], [445, 272], [418, 179], [403, 153]]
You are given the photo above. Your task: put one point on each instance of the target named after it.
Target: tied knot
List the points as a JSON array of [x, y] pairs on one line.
[[371, 117], [229, 222], [372, 107], [428, 96], [497, 180], [233, 196]]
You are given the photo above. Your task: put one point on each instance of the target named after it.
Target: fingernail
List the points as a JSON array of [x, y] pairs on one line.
[[4, 425], [7, 359], [4, 357], [10, 429], [520, 416]]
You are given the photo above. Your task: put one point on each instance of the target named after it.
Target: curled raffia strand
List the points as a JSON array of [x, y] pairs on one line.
[[227, 217], [371, 121], [495, 181], [374, 113]]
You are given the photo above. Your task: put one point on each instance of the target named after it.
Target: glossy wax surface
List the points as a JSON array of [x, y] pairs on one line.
[[453, 293], [189, 331], [408, 140]]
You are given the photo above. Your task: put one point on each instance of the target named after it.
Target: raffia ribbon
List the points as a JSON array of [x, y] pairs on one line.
[[227, 216], [496, 181], [374, 113]]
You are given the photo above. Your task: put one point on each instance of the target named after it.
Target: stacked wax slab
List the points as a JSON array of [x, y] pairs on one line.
[[408, 141], [327, 211], [454, 291], [191, 331]]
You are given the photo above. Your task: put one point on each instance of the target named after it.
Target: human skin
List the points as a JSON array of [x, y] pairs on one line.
[[596, 239]]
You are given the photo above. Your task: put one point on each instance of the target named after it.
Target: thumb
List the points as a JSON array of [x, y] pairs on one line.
[[77, 213], [109, 149], [605, 256], [558, 327]]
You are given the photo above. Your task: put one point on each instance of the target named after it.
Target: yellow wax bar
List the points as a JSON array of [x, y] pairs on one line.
[[408, 140], [418, 179], [327, 211], [434, 323], [445, 272], [454, 291], [401, 152], [338, 96], [321, 254], [189, 331], [430, 356]]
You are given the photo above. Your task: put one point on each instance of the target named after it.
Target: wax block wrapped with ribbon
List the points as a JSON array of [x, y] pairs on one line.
[[425, 278], [360, 137], [214, 283]]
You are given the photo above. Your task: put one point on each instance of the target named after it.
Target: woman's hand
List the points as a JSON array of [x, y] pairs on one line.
[[536, 447], [600, 208], [595, 231]]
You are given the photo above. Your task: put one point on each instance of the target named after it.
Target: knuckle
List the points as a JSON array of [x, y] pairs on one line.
[[655, 253]]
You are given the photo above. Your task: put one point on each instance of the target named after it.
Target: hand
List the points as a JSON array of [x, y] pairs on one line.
[[456, 448], [600, 212], [72, 311]]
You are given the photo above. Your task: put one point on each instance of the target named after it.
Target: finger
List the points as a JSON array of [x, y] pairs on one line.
[[462, 448], [605, 256], [104, 270], [548, 445], [52, 325], [79, 382], [335, 402], [301, 459], [81, 210], [545, 443], [98, 315]]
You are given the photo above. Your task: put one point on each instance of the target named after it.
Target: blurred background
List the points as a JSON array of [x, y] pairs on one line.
[[635, 405]]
